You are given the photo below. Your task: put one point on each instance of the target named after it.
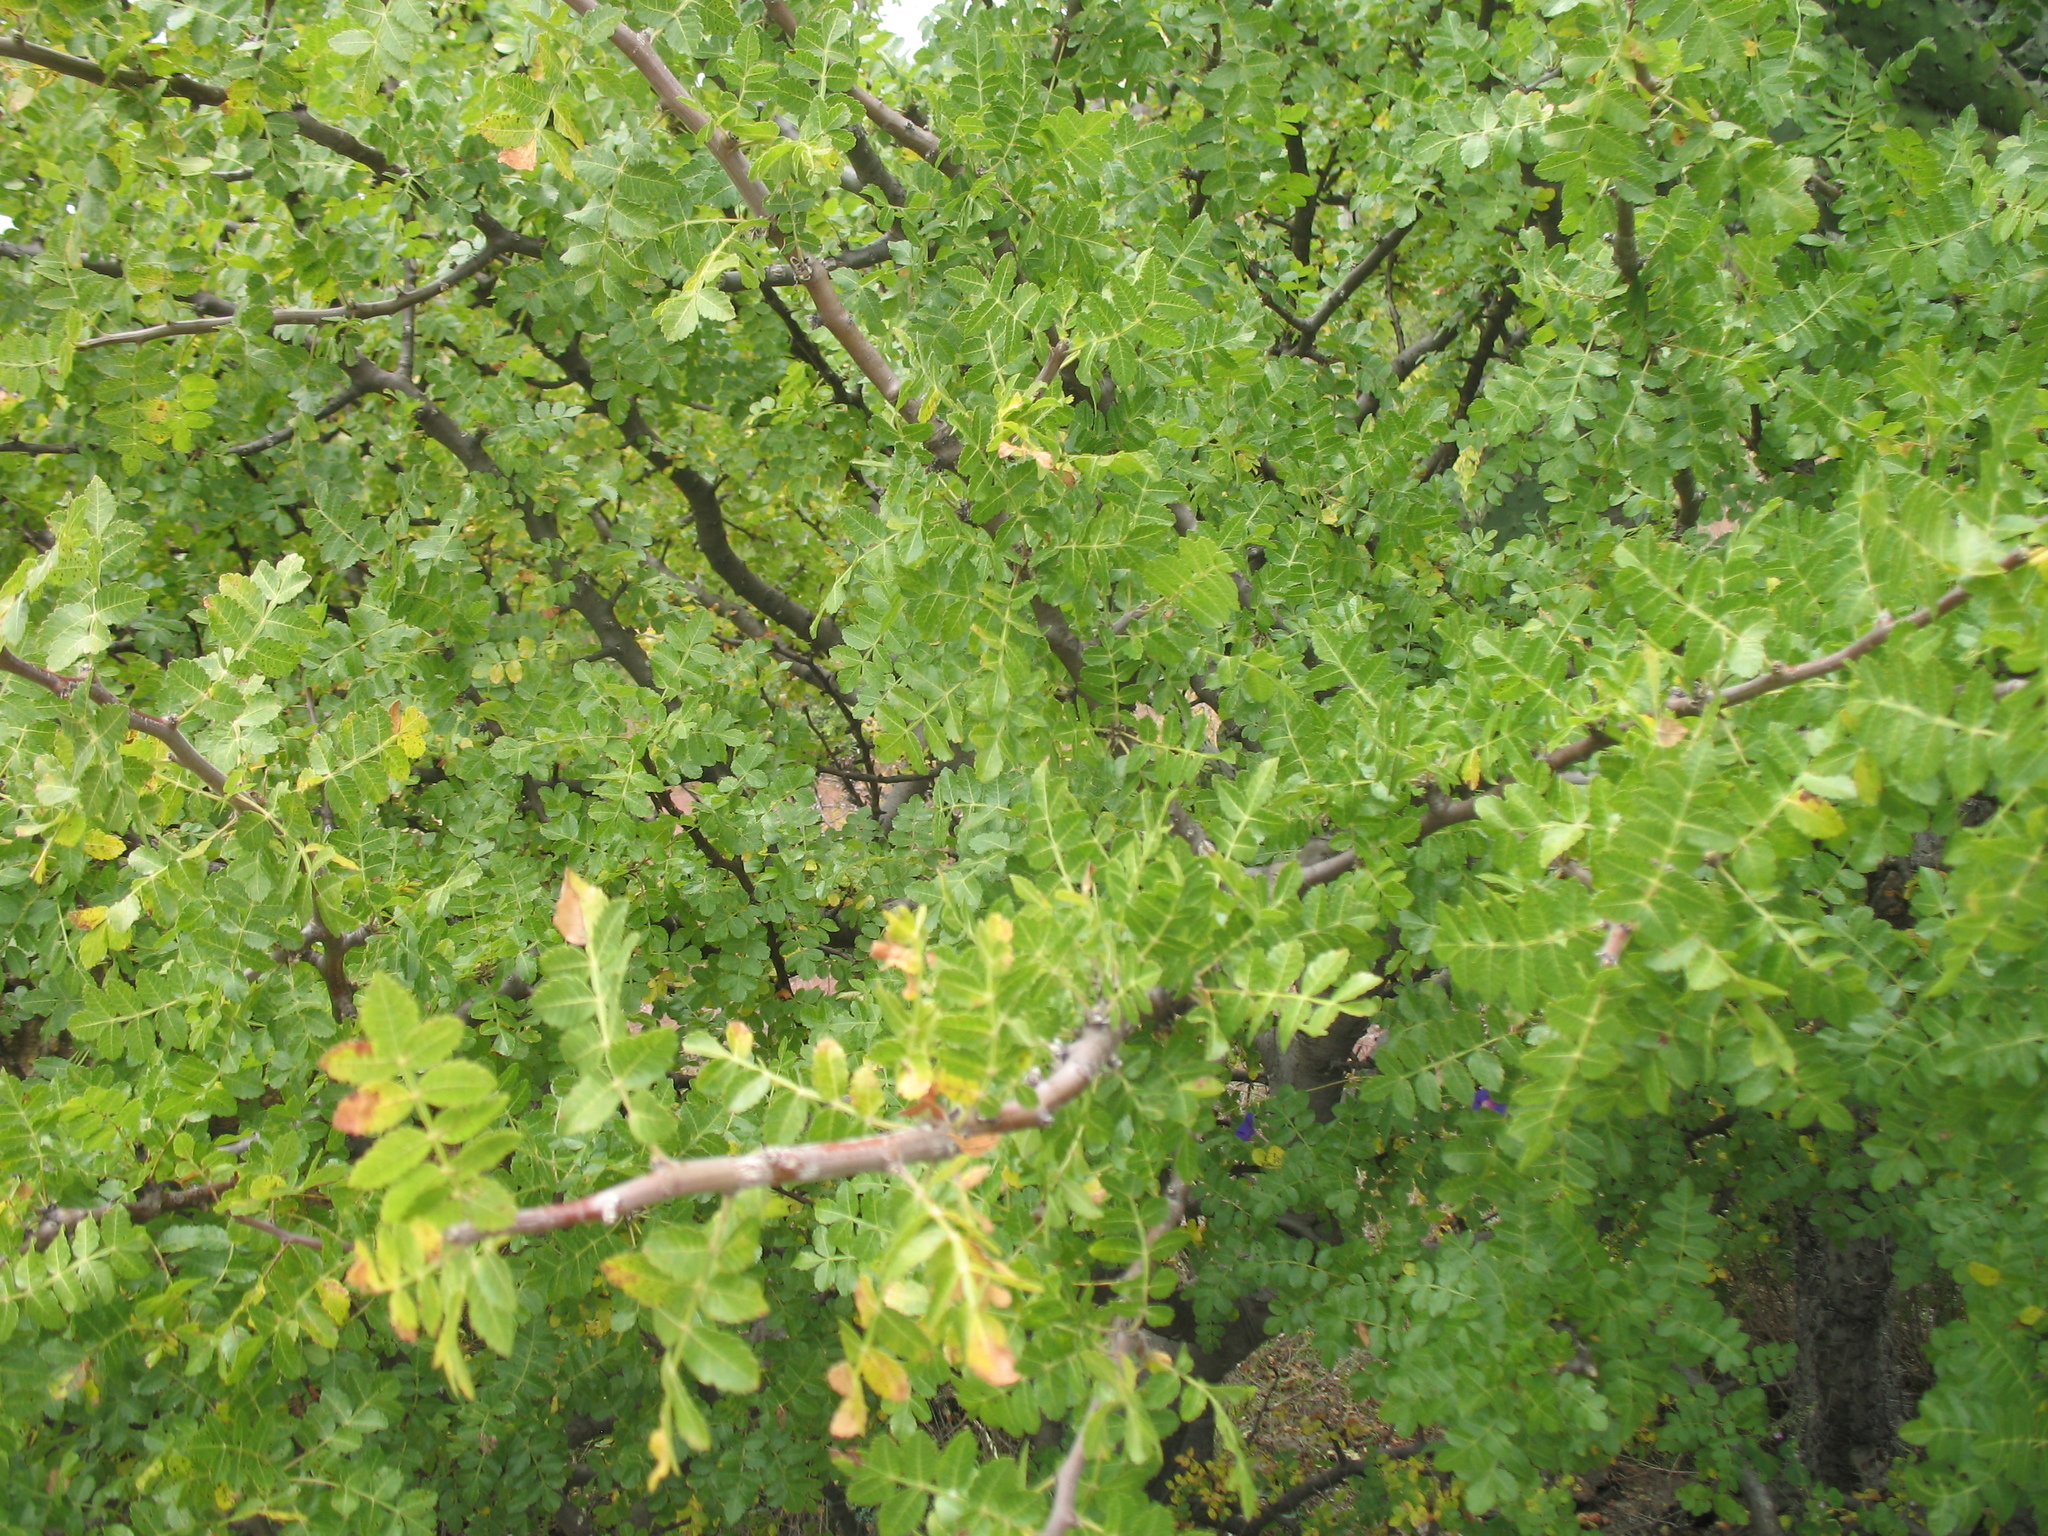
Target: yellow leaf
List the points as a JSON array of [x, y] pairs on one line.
[[889, 1380], [1814, 816], [334, 1299], [657, 1442], [865, 1306], [2030, 1316], [1984, 1274], [988, 1352], [88, 918], [345, 1062], [104, 845]]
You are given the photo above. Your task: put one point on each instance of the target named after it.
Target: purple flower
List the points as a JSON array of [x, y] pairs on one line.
[[1247, 1128], [1481, 1099]]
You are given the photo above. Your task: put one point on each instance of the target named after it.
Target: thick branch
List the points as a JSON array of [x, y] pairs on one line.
[[161, 728], [28, 250], [1060, 639], [872, 170], [327, 952], [16, 445], [1066, 1488], [822, 1161], [1410, 358], [707, 515], [1628, 261]]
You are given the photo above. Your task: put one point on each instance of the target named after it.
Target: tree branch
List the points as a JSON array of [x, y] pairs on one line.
[[1352, 281], [297, 1239], [283, 434], [327, 952], [498, 241], [16, 445], [726, 150], [161, 728], [1490, 331], [598, 608], [1410, 358], [1628, 260], [150, 1202], [1442, 812], [821, 632], [822, 1161], [1784, 677], [780, 274], [812, 356], [14, 45]]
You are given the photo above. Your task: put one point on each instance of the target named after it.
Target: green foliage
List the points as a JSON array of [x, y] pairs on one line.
[[845, 893]]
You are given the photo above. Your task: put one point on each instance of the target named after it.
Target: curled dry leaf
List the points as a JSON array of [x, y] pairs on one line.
[[1040, 456]]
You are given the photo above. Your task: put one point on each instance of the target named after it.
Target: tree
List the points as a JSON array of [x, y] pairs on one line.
[[748, 778]]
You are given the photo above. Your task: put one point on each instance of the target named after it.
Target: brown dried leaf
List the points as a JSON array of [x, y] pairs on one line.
[[524, 158], [571, 922]]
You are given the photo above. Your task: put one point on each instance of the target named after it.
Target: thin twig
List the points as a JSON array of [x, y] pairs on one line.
[[297, 1239]]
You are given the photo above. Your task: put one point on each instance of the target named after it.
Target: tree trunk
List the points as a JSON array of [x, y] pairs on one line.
[[1848, 1373]]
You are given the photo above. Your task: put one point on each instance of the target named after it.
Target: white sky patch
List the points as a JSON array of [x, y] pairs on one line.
[[905, 18]]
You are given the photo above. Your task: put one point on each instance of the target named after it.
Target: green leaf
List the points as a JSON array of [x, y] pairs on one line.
[[396, 1154]]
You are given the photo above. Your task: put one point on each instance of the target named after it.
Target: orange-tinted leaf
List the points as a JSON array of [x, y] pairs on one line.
[[373, 1110]]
